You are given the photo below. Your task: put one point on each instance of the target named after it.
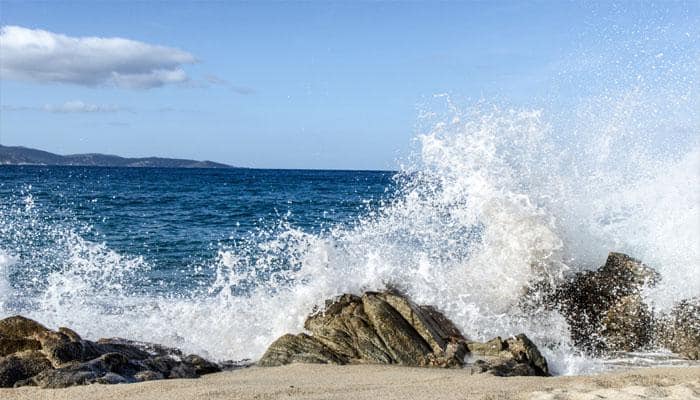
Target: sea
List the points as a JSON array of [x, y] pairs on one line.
[[221, 262]]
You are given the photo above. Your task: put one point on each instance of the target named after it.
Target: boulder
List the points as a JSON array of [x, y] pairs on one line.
[[600, 306], [679, 330], [31, 354], [21, 366], [387, 328], [628, 325]]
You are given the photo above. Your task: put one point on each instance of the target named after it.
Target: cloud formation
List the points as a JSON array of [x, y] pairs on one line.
[[40, 56], [69, 107]]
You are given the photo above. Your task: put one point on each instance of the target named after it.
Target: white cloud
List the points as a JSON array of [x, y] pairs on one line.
[[41, 56], [77, 106]]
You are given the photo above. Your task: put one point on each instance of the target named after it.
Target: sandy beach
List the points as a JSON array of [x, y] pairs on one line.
[[299, 381]]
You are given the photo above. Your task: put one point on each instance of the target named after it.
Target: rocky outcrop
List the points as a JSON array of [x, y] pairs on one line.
[[679, 330], [604, 308], [31, 354], [387, 328]]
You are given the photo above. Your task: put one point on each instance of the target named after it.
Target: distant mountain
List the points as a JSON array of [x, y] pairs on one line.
[[10, 155]]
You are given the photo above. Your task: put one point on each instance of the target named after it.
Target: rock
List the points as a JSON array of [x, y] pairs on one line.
[[200, 365], [516, 356], [387, 328], [59, 347], [148, 375], [31, 354], [525, 352], [627, 325], [344, 328], [20, 327], [679, 330], [592, 299], [300, 348], [9, 345], [21, 366], [404, 343]]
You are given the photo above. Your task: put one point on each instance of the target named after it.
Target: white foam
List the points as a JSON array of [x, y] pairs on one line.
[[6, 292]]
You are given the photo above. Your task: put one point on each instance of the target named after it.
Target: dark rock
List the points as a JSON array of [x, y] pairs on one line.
[[59, 347], [9, 345], [627, 325], [31, 354], [20, 327], [148, 375], [679, 330], [525, 352], [65, 377], [21, 366], [610, 294], [200, 365]]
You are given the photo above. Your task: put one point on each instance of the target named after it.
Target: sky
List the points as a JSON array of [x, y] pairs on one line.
[[322, 85]]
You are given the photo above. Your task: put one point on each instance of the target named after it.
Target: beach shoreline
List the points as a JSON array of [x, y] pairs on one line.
[[313, 381]]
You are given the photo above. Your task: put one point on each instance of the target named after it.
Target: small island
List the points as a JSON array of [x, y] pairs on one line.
[[17, 155]]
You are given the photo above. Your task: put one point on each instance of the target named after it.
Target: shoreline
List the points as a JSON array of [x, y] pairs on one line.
[[317, 381]]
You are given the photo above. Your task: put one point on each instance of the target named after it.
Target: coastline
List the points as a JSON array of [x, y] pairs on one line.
[[315, 381]]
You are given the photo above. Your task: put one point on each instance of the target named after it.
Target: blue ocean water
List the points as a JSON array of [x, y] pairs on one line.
[[176, 220]]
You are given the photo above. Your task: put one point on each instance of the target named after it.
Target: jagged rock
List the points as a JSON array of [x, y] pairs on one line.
[[592, 299], [387, 328], [404, 343], [679, 331], [345, 329], [31, 354]]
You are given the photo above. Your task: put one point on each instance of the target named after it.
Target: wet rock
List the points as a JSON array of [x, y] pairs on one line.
[[32, 354], [525, 352], [679, 330], [21, 366], [592, 299], [387, 328], [627, 325]]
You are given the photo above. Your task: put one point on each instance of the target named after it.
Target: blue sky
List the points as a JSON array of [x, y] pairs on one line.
[[304, 85]]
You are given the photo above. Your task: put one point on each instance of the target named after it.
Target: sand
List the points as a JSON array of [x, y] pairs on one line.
[[387, 382]]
